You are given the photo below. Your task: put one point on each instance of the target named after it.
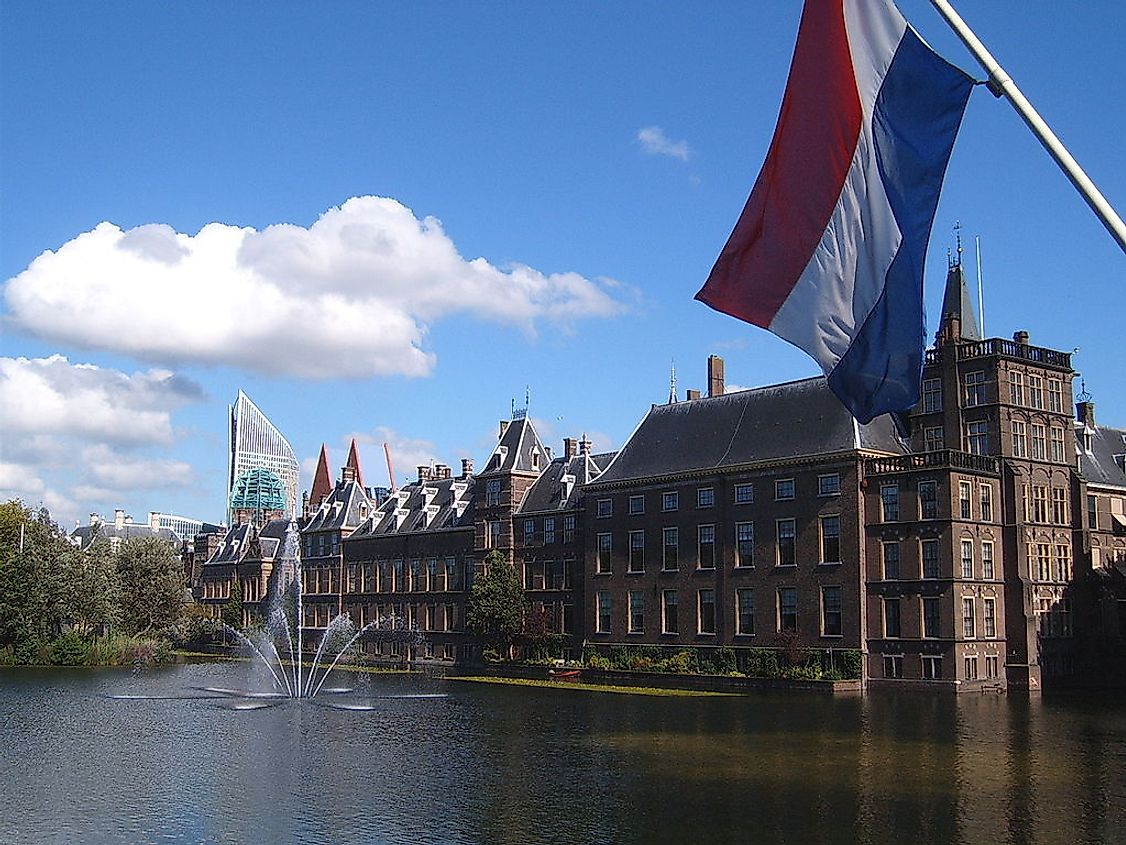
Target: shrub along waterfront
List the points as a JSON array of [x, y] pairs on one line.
[[100, 606]]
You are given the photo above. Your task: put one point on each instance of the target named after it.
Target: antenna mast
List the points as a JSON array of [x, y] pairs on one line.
[[980, 295], [390, 469]]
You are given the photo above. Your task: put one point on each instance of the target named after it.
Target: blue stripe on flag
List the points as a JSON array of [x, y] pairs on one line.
[[914, 125]]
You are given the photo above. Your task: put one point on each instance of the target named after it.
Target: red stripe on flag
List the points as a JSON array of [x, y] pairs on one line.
[[801, 180]]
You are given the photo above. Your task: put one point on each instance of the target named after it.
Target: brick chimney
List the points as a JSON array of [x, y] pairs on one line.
[[466, 467], [570, 447], [154, 521], [1021, 337], [119, 518], [1085, 413], [423, 473], [441, 471], [692, 394], [347, 473], [584, 446], [715, 375]]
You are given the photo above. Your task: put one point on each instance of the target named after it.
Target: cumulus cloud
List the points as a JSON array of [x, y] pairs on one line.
[[407, 455], [353, 295], [654, 141]]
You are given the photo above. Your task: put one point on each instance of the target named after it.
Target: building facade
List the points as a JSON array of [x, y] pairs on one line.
[[255, 443]]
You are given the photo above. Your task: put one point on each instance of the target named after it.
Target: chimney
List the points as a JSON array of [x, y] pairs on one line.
[[584, 446], [119, 518], [692, 394], [347, 474], [1021, 337], [570, 447], [715, 375], [95, 519], [466, 467], [423, 473], [441, 471], [154, 521], [503, 428], [1085, 413]]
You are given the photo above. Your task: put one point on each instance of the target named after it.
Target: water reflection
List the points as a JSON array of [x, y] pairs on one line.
[[515, 765]]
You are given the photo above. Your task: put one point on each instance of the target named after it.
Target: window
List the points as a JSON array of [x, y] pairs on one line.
[[548, 530], [969, 625], [965, 493], [670, 500], [529, 531], [891, 560], [989, 618], [932, 668], [744, 494], [831, 611], [1059, 506], [932, 395], [1035, 392], [492, 493], [930, 558], [928, 499], [988, 571], [1056, 454], [992, 666], [977, 438], [1092, 512], [985, 500], [568, 529], [892, 627], [496, 534], [744, 544], [705, 623], [933, 440], [669, 624], [932, 624], [637, 551], [1040, 560], [967, 559], [745, 612], [971, 668], [1039, 503], [605, 604], [829, 485], [1055, 396], [605, 508], [975, 388], [787, 609], [786, 550], [636, 505], [671, 548], [636, 611], [1062, 566], [705, 497], [1016, 388], [830, 539], [706, 534], [604, 565], [889, 501], [784, 489], [1020, 439], [1039, 442], [893, 665]]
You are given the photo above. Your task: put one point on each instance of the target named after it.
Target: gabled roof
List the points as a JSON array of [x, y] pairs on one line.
[[559, 487], [353, 463], [956, 302], [322, 480], [346, 507], [518, 450], [432, 505], [239, 540], [781, 422], [1106, 462]]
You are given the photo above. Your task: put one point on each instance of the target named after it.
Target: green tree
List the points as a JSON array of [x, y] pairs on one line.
[[232, 610], [497, 604], [91, 589], [152, 585], [31, 605]]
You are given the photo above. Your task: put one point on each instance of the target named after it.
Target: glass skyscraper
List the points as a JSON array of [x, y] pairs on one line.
[[257, 444]]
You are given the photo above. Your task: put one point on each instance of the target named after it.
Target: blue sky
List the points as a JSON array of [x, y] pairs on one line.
[[586, 162]]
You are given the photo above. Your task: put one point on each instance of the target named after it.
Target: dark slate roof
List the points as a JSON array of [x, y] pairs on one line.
[[559, 487], [84, 535], [238, 541], [518, 450], [1106, 462], [780, 422], [347, 507], [431, 505], [956, 302]]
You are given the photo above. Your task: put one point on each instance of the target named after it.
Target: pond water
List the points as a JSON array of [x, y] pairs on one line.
[[494, 764]]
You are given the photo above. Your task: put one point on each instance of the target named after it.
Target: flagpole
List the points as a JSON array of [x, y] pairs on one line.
[[1001, 84]]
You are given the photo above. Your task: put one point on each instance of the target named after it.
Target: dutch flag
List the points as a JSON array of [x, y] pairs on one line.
[[828, 252]]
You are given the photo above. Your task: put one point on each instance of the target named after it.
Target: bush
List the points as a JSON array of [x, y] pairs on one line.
[[30, 651], [850, 663], [762, 663], [682, 663], [71, 649]]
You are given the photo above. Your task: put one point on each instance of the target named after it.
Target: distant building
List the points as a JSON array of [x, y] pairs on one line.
[[256, 444], [123, 528]]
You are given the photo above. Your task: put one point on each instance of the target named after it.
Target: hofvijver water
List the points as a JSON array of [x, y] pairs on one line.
[[492, 764]]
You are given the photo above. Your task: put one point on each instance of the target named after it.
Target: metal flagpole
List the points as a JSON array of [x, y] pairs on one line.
[[1001, 84]]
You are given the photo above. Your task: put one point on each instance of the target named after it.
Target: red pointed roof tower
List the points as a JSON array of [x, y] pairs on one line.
[[322, 481], [353, 463]]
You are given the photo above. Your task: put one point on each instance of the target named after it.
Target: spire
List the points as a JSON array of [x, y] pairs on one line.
[[672, 384], [322, 481], [956, 304], [353, 463]]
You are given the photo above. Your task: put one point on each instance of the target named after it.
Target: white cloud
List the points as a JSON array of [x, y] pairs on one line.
[[353, 295], [655, 142], [407, 455], [109, 469]]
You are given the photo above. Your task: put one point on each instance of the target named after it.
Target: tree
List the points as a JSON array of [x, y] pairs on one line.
[[232, 610], [31, 605], [152, 585], [497, 604], [91, 589]]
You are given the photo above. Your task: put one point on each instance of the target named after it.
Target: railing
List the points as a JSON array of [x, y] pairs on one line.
[[941, 459], [1012, 349]]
